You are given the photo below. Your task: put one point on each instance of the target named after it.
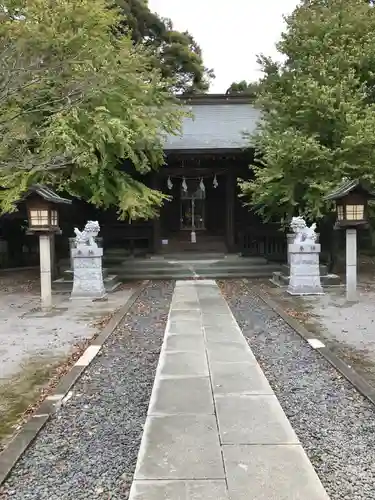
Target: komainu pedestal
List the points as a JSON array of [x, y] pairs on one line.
[[304, 269], [88, 273]]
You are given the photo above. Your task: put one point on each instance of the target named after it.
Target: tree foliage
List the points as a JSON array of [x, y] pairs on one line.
[[243, 87], [76, 100], [319, 112], [176, 54]]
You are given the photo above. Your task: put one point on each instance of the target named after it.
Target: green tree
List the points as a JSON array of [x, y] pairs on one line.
[[76, 101], [319, 113], [176, 54], [243, 87]]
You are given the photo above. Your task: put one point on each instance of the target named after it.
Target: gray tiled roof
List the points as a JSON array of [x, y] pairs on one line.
[[216, 126], [47, 194], [347, 187]]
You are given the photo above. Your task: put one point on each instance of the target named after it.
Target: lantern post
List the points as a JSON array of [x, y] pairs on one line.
[[42, 210], [351, 200]]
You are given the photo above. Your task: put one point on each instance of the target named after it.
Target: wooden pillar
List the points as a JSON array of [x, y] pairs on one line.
[[230, 203], [156, 226]]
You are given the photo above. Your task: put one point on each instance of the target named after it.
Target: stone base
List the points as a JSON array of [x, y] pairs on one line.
[[304, 270], [78, 293], [88, 299], [305, 291], [281, 280], [87, 274], [323, 270], [64, 284]]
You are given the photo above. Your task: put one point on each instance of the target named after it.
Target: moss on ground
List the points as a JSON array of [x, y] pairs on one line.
[[21, 391]]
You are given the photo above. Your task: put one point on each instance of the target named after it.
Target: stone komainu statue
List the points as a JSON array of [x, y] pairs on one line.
[[88, 235], [304, 234]]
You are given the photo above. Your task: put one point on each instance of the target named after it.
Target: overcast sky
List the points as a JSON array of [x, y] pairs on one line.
[[230, 33]]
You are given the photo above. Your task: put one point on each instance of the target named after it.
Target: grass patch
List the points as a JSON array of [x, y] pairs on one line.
[[22, 391]]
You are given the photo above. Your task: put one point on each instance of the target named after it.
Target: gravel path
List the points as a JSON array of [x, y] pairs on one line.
[[347, 328], [335, 424], [89, 450]]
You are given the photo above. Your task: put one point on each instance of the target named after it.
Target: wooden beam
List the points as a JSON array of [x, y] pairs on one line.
[[156, 225], [189, 171], [230, 205]]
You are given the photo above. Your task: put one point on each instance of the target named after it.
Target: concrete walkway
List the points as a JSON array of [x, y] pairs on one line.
[[215, 429]]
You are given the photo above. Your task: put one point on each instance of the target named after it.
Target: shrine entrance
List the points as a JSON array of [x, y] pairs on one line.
[[192, 205], [194, 219]]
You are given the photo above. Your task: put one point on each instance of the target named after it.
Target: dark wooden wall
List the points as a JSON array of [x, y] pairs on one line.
[[145, 234]]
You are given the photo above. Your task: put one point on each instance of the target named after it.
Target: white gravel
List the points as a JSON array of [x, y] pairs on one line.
[[347, 328]]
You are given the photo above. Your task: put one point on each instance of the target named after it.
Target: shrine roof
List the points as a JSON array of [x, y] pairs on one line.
[[217, 122]]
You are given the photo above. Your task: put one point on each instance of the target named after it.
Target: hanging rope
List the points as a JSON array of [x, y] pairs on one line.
[[184, 185]]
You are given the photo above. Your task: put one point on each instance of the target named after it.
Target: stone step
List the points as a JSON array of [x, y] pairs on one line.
[[201, 273], [212, 248], [189, 256], [115, 251], [199, 268], [160, 263], [159, 267], [108, 259], [219, 259], [65, 284], [174, 267]]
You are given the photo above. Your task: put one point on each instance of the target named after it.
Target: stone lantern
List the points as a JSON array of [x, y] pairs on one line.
[[42, 215], [351, 200], [42, 209]]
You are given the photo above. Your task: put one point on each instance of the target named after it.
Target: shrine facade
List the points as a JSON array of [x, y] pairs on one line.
[[203, 164], [205, 212]]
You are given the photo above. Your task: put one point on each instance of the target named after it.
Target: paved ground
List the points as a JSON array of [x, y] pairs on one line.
[[33, 343], [348, 328], [27, 333], [215, 429]]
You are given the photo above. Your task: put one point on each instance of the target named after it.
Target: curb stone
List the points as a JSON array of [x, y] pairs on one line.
[[29, 431], [317, 344]]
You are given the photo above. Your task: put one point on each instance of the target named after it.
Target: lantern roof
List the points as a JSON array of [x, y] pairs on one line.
[[348, 186], [47, 194]]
